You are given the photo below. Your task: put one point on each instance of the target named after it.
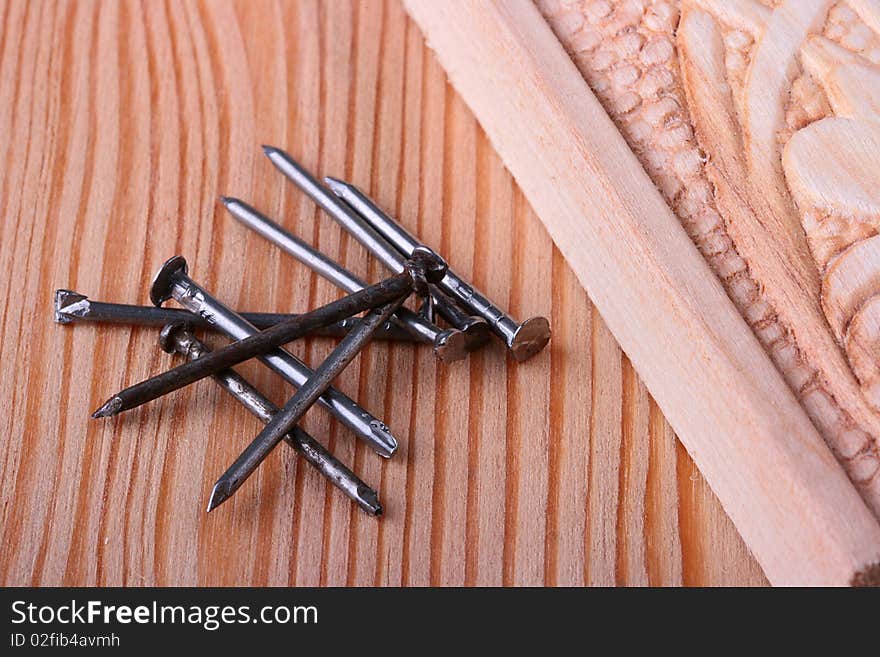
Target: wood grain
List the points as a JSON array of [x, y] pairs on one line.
[[120, 123], [760, 453]]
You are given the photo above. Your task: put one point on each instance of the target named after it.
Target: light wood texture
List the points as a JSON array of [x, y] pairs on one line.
[[707, 92], [120, 123], [789, 498], [778, 115]]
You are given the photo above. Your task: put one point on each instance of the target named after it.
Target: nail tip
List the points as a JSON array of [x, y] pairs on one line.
[[386, 442], [219, 494], [111, 407], [335, 184], [66, 300], [369, 500]]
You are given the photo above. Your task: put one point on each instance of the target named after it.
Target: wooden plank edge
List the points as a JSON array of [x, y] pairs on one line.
[[788, 497]]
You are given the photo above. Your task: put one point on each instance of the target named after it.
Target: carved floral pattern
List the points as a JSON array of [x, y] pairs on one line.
[[759, 122]]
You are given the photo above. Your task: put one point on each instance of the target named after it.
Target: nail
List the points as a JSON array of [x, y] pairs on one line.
[[285, 419], [524, 339], [196, 299], [177, 337], [72, 307], [172, 281], [474, 327], [427, 309], [418, 270], [449, 344]]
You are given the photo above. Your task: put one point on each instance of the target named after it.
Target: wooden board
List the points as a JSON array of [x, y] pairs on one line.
[[756, 120], [771, 470], [121, 123]]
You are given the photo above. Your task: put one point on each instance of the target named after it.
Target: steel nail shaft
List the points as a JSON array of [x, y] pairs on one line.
[[192, 296], [258, 344], [475, 328], [72, 307], [284, 421], [449, 344], [524, 339], [177, 337]]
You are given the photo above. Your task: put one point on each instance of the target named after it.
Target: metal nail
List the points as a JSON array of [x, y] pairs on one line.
[[172, 281], [419, 268], [72, 307], [196, 299], [178, 337], [449, 344], [296, 407], [524, 339], [426, 309], [475, 328]]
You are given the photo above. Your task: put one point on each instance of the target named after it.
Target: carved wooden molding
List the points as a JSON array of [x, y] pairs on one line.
[[751, 438], [759, 124]]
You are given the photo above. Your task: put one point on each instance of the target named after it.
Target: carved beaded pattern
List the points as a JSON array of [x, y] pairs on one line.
[[847, 30], [626, 52]]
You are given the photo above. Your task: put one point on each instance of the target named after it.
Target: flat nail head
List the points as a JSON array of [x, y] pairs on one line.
[[163, 281], [168, 336], [452, 345], [531, 336], [476, 331], [435, 266], [425, 266]]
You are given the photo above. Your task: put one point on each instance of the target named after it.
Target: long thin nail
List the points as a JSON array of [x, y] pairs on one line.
[[449, 344], [172, 281], [524, 339], [177, 337], [284, 421], [195, 298], [72, 307], [475, 328], [258, 344]]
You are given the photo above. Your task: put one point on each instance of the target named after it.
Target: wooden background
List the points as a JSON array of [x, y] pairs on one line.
[[120, 123]]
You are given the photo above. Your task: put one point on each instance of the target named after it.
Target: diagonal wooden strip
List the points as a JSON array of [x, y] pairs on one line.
[[781, 486]]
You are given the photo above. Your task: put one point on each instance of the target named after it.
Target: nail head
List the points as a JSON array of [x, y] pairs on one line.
[[160, 290]]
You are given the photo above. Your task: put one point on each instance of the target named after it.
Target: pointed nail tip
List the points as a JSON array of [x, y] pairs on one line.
[[387, 449], [60, 316], [219, 494], [111, 407], [383, 441], [368, 499], [270, 150], [227, 200], [65, 301]]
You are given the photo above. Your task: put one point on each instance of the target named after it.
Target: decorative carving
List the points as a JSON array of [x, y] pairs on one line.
[[760, 124]]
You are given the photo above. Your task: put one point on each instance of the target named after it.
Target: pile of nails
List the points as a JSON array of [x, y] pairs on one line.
[[472, 318]]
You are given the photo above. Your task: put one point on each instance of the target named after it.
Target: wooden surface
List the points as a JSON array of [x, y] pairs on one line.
[[787, 495], [120, 123], [719, 98]]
